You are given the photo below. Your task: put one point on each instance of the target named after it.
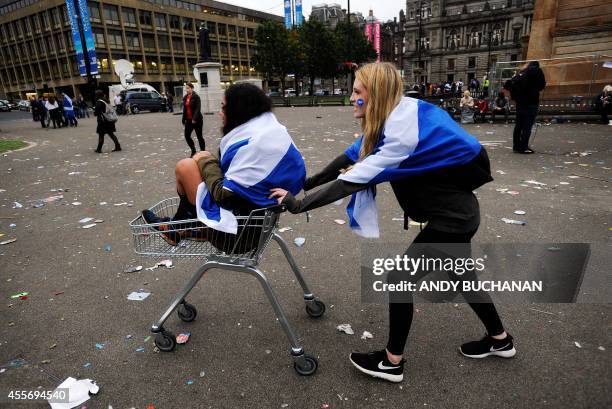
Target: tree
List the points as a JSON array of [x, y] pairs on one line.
[[352, 46], [273, 55], [320, 56]]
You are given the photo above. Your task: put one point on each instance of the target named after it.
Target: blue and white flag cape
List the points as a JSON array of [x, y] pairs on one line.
[[255, 157], [417, 137], [67, 103]]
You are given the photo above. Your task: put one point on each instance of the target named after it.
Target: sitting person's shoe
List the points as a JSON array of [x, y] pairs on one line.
[[489, 346], [196, 234], [171, 237], [377, 365]]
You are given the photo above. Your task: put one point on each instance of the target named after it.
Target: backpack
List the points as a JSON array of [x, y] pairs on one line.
[[109, 115]]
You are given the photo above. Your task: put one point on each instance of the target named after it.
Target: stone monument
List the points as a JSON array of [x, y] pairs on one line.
[[208, 75]]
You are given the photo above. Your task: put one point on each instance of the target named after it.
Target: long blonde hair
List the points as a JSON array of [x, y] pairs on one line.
[[384, 85]]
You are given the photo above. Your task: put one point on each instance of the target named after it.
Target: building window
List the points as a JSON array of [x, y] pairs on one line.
[[99, 36], [160, 22], [471, 62], [35, 23], [94, 12], [55, 17], [111, 14], [453, 40], [129, 17], [133, 41], [177, 44], [493, 60], [475, 37], [148, 41], [513, 57], [450, 64], [175, 23], [162, 41], [516, 35], [144, 17], [424, 43], [497, 35], [188, 24], [115, 40], [152, 66], [59, 40]]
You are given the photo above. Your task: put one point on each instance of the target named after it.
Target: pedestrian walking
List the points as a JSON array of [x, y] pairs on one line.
[[192, 118], [69, 110], [170, 101], [54, 112], [106, 121]]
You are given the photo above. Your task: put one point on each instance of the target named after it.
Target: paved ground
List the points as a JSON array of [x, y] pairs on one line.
[[236, 343]]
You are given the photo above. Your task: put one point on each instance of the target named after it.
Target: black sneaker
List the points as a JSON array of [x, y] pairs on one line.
[[377, 365], [171, 237], [488, 346]]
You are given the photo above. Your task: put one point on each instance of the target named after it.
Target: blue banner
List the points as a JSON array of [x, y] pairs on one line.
[[288, 22], [76, 37], [90, 44], [299, 18]]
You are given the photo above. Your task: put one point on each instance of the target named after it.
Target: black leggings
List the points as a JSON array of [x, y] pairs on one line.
[[101, 140], [189, 127], [400, 314]]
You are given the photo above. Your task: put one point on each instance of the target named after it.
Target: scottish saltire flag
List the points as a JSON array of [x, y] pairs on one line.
[[255, 157], [67, 103], [417, 137]]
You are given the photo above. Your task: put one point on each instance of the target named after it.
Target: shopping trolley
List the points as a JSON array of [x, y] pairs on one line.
[[240, 252]]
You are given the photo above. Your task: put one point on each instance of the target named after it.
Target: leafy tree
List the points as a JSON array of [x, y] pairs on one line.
[[320, 56], [273, 56], [352, 46]]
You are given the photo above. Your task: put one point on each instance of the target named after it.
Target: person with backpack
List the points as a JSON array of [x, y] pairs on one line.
[[106, 121]]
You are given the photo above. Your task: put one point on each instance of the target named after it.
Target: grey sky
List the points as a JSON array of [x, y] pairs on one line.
[[383, 9]]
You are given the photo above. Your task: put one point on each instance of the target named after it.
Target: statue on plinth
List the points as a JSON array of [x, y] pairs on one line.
[[204, 41]]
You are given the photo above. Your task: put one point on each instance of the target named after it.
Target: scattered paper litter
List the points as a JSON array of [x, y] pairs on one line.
[[340, 221], [501, 172], [7, 241], [520, 212], [338, 202], [534, 182], [99, 346], [284, 229], [17, 205], [367, 335], [564, 183], [77, 391], [76, 203], [133, 269], [164, 263], [346, 328], [577, 344], [89, 226], [86, 220], [138, 296], [299, 241], [601, 348], [183, 338], [512, 221]]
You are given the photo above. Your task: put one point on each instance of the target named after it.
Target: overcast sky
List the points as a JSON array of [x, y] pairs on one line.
[[383, 9]]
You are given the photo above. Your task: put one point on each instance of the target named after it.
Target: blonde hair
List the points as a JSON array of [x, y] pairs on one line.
[[384, 85], [466, 94], [607, 88]]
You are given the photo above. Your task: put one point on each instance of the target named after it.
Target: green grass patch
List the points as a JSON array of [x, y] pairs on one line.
[[11, 145]]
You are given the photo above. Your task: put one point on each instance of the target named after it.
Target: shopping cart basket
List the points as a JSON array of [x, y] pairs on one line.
[[240, 252]]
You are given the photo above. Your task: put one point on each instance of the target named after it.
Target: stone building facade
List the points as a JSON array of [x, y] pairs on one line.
[[450, 40]]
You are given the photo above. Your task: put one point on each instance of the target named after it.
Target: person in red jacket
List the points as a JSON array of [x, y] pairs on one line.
[[192, 118]]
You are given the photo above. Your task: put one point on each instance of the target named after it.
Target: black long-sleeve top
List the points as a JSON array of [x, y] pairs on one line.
[[442, 198]]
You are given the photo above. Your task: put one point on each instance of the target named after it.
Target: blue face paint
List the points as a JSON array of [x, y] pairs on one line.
[[360, 102]]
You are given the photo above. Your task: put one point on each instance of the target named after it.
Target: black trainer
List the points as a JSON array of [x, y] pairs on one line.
[[488, 346], [171, 237], [377, 365]]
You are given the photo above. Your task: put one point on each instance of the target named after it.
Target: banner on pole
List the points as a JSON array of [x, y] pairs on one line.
[[76, 37], [90, 44]]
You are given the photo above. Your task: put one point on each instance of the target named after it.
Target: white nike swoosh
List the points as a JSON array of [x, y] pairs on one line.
[[499, 349], [386, 368]]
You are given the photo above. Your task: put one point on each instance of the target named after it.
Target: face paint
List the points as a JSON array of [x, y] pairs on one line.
[[360, 102]]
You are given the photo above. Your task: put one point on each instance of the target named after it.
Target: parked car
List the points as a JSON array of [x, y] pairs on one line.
[[23, 105], [9, 104], [4, 107], [145, 101]]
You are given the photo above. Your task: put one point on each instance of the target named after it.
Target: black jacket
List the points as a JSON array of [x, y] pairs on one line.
[[104, 127], [196, 108], [525, 87], [442, 198]]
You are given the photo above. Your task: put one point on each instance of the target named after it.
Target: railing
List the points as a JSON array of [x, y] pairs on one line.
[[310, 101]]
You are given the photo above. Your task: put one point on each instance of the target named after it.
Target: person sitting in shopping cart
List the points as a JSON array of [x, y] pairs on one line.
[[256, 154]]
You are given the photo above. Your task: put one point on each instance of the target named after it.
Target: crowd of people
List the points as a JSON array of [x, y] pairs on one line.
[[453, 88], [59, 110]]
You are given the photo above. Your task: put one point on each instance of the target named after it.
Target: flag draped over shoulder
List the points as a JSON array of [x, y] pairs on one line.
[[417, 137], [255, 157]]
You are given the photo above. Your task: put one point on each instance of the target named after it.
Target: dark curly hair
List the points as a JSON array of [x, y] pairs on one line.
[[244, 102]]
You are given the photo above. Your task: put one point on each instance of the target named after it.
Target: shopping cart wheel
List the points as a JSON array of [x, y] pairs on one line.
[[309, 367], [165, 341], [315, 309], [187, 312]]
